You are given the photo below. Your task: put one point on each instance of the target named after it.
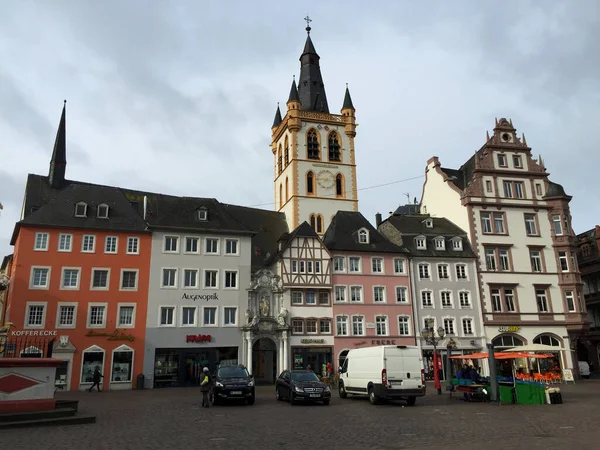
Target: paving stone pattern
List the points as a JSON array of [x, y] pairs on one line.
[[172, 419]]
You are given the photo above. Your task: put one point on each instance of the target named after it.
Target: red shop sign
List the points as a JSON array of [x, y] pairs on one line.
[[198, 338]]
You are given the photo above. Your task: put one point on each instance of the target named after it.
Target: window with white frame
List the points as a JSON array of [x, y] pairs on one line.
[[325, 326], [401, 294], [41, 241], [36, 315], [192, 244], [457, 244], [294, 267], [171, 244], [202, 214], [429, 223], [169, 278], [210, 315], [443, 272], [211, 278], [340, 293], [339, 263], [190, 278], [358, 325], [492, 223], [317, 266], [311, 326], [403, 326], [563, 261], [363, 237], [231, 246], [440, 243], [423, 271], [557, 225], [354, 264], [97, 316], [129, 280], [570, 299], [426, 300], [449, 326], [323, 298], [341, 324], [465, 299], [298, 326], [70, 278], [531, 225], [66, 316], [126, 315], [81, 209], [188, 316], [296, 297], [65, 242], [535, 256], [421, 243], [446, 297], [302, 265], [399, 266], [541, 298], [381, 325], [211, 246], [110, 244], [229, 316], [496, 300], [309, 266], [40, 277], [231, 279], [379, 294], [100, 278], [88, 243], [461, 271], [167, 316], [133, 245], [356, 294], [310, 298], [467, 326], [122, 365], [377, 265]]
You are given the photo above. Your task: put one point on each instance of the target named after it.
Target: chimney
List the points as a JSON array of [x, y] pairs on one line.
[[145, 206], [377, 220]]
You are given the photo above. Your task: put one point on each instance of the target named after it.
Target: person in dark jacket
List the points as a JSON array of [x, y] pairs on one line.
[[205, 386], [96, 377]]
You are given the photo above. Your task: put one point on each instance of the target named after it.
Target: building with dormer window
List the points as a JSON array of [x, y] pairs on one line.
[[372, 302], [519, 225], [443, 280]]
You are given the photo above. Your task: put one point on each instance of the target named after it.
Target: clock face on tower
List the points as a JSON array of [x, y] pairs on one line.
[[325, 179]]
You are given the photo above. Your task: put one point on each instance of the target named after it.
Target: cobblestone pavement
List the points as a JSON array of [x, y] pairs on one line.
[[172, 419]]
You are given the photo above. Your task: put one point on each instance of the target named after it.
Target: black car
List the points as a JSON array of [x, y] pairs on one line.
[[233, 383], [301, 386]]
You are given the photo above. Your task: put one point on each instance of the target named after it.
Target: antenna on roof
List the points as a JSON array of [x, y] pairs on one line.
[[407, 197]]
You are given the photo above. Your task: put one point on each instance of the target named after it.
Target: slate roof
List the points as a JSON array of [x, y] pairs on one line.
[[555, 190], [5, 262], [411, 226], [408, 209], [311, 90], [342, 235]]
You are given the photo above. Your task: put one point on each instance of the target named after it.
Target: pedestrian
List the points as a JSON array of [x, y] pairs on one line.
[[96, 378], [205, 387]]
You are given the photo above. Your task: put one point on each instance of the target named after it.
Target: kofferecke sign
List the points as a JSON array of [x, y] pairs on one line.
[[34, 333]]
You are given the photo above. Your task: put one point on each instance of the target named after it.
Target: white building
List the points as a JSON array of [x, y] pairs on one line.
[[519, 224]]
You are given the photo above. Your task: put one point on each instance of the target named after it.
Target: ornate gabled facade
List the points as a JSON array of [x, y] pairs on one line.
[[313, 151], [519, 224]]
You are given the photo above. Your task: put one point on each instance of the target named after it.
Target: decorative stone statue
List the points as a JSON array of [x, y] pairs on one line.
[[264, 306], [282, 316], [248, 316], [4, 282], [255, 319]]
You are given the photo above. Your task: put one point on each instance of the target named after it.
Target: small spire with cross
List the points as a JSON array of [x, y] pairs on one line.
[[308, 21]]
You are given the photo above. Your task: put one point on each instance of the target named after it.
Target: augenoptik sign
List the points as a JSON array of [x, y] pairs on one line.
[[199, 297]]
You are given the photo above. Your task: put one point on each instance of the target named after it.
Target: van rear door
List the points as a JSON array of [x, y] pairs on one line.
[[403, 367]]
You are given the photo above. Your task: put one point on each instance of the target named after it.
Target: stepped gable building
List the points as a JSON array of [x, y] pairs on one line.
[[519, 225], [372, 303], [443, 280], [313, 151]]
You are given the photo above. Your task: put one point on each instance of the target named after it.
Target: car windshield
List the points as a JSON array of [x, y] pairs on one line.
[[304, 376], [232, 372]]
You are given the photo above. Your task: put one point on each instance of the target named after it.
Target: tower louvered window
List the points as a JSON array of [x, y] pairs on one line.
[[312, 143], [334, 147]]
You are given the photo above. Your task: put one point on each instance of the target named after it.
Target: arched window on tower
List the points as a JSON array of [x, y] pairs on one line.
[[287, 152], [287, 196], [279, 161], [280, 195], [339, 185], [312, 145], [310, 183], [313, 222], [334, 147], [319, 224]]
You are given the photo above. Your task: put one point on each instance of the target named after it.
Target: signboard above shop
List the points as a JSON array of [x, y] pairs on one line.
[[509, 329], [312, 341], [194, 297]]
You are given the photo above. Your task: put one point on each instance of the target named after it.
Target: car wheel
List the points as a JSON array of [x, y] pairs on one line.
[[342, 390], [372, 397], [410, 401], [326, 402], [250, 401], [277, 395]]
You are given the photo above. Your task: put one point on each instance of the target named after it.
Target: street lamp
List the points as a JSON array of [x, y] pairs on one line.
[[429, 335]]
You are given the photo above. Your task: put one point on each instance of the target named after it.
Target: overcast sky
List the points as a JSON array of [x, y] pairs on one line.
[[179, 96]]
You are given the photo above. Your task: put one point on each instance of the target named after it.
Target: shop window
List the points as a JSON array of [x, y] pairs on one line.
[[122, 364], [93, 357], [60, 379], [507, 342], [547, 340]]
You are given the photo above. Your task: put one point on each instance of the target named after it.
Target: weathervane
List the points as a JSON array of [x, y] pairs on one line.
[[308, 21]]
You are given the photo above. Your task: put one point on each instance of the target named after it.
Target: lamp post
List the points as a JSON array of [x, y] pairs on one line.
[[429, 335], [451, 344]]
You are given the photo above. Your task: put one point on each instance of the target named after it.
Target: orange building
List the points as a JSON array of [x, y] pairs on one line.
[[79, 278]]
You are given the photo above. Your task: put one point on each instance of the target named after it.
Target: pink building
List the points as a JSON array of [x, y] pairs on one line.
[[371, 292]]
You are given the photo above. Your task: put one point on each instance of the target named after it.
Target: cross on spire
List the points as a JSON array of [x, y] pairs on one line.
[[308, 21]]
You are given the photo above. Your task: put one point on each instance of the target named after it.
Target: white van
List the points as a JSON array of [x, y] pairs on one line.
[[391, 372]]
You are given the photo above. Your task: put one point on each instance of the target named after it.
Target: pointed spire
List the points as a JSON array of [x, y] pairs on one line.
[[294, 92], [487, 136], [524, 140], [58, 163], [277, 120], [347, 100], [311, 89]]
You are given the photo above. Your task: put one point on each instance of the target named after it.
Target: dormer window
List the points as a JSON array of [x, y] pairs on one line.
[[81, 209], [457, 244], [429, 223], [440, 243], [102, 211], [202, 214], [421, 243], [363, 237]]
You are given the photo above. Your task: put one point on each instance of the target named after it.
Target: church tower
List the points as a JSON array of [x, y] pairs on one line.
[[313, 150]]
